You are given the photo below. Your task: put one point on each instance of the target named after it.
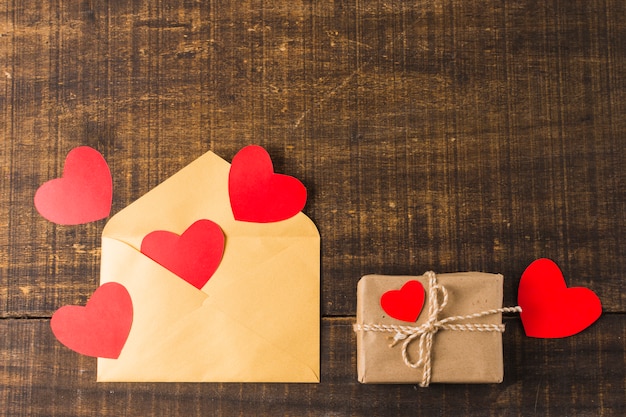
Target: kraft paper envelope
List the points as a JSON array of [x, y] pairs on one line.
[[255, 320]]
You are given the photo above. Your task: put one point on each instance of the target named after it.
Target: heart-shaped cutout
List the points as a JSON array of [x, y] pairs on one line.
[[549, 308], [406, 303], [194, 256], [101, 327], [257, 194], [83, 194]]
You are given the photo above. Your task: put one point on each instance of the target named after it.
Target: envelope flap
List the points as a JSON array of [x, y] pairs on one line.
[[150, 286], [282, 307], [198, 191]]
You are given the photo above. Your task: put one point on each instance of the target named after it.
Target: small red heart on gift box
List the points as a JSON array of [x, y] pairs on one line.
[[406, 303], [100, 328], [194, 256], [549, 308], [82, 195], [259, 195]]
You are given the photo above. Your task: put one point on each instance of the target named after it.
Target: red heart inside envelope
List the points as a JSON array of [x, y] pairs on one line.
[[259, 195], [101, 327], [406, 303], [549, 308], [194, 256], [82, 195]]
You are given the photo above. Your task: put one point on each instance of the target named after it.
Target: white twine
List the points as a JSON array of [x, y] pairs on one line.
[[427, 331]]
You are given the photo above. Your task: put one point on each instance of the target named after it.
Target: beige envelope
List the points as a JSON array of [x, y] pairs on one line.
[[256, 319]]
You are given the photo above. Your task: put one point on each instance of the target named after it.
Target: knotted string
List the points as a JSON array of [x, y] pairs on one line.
[[427, 331]]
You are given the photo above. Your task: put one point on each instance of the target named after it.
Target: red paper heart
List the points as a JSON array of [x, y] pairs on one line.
[[406, 303], [194, 256], [549, 308], [259, 195], [101, 327], [82, 195]]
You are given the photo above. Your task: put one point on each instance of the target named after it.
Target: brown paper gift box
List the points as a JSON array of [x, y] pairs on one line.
[[456, 356]]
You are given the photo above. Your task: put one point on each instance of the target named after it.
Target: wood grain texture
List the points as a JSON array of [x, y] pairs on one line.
[[573, 377], [441, 134]]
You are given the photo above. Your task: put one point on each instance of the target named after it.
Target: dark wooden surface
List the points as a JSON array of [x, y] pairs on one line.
[[448, 135]]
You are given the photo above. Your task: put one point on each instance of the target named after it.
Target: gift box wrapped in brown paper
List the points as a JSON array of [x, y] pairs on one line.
[[463, 350]]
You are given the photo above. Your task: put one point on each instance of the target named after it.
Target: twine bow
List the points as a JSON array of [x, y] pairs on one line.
[[427, 331]]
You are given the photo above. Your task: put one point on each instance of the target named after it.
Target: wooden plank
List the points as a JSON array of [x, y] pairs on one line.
[[582, 375], [446, 135]]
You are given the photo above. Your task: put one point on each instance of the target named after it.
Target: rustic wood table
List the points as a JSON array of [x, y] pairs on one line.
[[448, 135]]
